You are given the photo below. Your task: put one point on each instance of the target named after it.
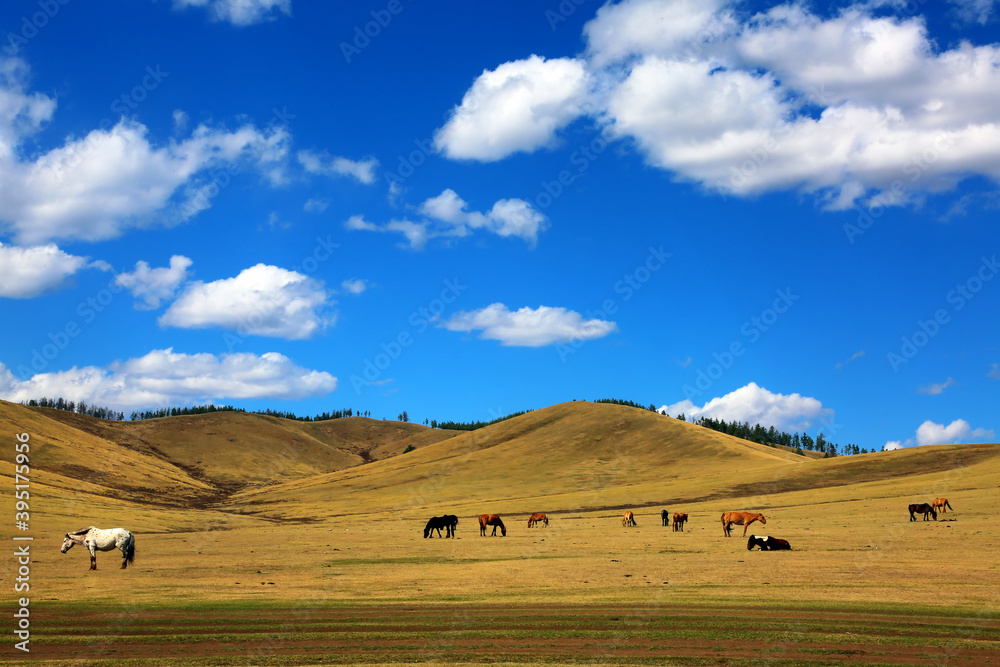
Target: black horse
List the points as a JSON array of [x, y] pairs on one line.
[[449, 522], [767, 543], [922, 508], [664, 517]]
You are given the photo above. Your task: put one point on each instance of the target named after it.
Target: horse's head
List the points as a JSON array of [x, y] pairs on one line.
[[752, 542], [934, 513], [760, 517], [67, 544], [503, 530]]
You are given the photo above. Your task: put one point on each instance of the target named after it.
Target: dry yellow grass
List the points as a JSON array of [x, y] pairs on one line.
[[355, 535]]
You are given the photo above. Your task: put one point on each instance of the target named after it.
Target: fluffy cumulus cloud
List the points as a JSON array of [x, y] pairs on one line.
[[330, 165], [854, 108], [241, 12], [114, 178], [448, 216], [151, 286], [931, 433], [757, 405], [529, 327], [165, 377], [518, 106], [29, 272], [261, 301]]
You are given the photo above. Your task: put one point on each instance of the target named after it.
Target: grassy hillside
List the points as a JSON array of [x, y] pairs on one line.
[[582, 456]]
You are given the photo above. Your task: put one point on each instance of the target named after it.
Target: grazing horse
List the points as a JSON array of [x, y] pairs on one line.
[[664, 517], [449, 522], [679, 520], [491, 520], [941, 504], [767, 543], [628, 519], [538, 517], [98, 539], [740, 519], [922, 508]]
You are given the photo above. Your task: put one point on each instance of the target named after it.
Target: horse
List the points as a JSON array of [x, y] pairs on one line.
[[941, 504], [538, 517], [922, 508], [449, 522], [767, 543], [628, 519], [491, 520], [664, 517], [102, 539], [679, 520], [740, 519]]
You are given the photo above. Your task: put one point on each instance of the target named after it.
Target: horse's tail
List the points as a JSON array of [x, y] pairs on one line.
[[130, 549], [949, 505]]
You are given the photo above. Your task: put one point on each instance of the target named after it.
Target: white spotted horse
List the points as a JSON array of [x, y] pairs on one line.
[[102, 539]]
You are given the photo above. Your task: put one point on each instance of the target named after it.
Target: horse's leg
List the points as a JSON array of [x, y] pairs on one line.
[[93, 556]]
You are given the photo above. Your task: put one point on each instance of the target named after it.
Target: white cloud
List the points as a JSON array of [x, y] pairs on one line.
[[654, 27], [323, 163], [756, 405], [29, 272], [935, 389], [854, 357], [354, 286], [447, 216], [261, 301], [858, 107], [994, 372], [155, 285], [241, 12], [164, 377], [529, 327], [21, 114], [980, 11], [316, 205], [519, 106], [932, 433], [95, 187]]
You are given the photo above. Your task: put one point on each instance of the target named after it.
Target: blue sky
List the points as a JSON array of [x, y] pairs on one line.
[[778, 213]]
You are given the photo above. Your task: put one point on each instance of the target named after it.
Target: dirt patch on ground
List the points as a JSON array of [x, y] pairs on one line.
[[486, 633]]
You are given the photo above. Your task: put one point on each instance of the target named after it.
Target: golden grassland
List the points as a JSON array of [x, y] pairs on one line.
[[242, 509]]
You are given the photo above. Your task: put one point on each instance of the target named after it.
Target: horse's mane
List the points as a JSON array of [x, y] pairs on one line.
[[82, 531]]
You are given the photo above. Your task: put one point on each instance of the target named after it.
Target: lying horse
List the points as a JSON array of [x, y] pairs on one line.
[[941, 504], [98, 539], [922, 508], [491, 520], [449, 522], [628, 519], [679, 520], [767, 543], [740, 519], [538, 517], [664, 517]]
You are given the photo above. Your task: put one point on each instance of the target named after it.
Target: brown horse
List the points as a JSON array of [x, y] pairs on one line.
[[940, 504], [628, 519], [491, 520], [740, 519], [679, 520], [538, 517], [922, 508]]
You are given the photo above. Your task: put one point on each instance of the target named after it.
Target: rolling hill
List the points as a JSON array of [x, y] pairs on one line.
[[576, 456]]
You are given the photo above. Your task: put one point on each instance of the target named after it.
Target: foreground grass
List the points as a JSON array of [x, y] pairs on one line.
[[729, 633]]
